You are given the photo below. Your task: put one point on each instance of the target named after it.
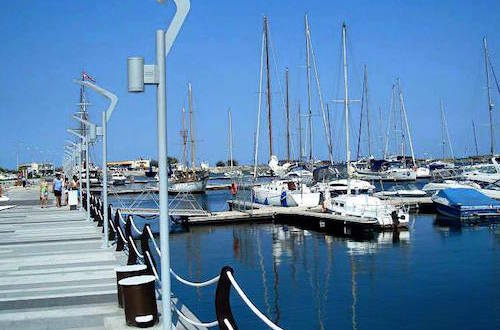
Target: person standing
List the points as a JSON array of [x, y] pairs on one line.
[[23, 179], [44, 193], [57, 187]]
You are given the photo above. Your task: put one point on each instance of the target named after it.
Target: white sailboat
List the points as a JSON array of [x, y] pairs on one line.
[[279, 192], [188, 180], [362, 206]]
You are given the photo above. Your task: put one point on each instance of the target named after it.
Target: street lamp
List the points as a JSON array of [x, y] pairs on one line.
[[78, 158], [140, 74], [102, 131], [86, 142]]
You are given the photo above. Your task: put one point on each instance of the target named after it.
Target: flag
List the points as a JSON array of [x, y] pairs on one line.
[[87, 76]]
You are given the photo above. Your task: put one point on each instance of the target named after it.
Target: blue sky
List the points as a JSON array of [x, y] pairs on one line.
[[435, 47]]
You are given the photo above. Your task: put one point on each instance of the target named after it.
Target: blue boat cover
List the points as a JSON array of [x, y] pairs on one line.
[[467, 197]]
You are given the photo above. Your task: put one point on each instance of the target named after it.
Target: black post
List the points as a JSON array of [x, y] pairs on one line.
[[222, 305]]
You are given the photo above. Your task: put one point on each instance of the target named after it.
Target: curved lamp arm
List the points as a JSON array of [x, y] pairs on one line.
[[181, 12], [107, 94], [77, 134]]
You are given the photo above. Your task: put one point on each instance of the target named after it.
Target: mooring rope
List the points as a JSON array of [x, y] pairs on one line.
[[133, 226], [250, 304], [135, 248], [228, 324], [195, 284], [121, 234], [152, 266], [154, 241], [112, 225], [195, 323]]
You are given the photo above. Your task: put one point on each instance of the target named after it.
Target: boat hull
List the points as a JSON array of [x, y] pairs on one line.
[[188, 187]]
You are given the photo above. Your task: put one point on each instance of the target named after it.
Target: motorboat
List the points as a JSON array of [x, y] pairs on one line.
[[422, 173], [118, 179], [492, 190], [285, 193], [371, 209], [432, 187], [465, 203], [401, 191], [483, 173], [341, 186]]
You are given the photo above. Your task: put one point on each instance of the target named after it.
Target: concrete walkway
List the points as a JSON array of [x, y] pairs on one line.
[[54, 273]]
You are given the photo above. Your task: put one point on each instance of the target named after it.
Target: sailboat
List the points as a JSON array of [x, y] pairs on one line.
[[362, 206], [284, 191], [186, 179]]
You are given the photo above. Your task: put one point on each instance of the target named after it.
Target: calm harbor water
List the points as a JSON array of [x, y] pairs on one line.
[[436, 275]]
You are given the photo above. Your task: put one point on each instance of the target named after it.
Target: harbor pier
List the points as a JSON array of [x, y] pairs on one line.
[[54, 271]]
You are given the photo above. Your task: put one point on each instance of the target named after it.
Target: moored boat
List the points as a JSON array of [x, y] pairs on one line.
[[465, 203]]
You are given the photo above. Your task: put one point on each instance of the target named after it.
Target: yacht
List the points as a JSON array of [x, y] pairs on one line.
[[118, 179], [369, 208], [341, 186], [432, 187], [285, 193], [401, 191], [483, 173]]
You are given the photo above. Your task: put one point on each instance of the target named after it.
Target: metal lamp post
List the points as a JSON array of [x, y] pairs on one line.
[[78, 150], [102, 131], [86, 142], [140, 74]]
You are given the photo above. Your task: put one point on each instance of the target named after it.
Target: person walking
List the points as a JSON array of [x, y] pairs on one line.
[[57, 187], [44, 193], [23, 179]]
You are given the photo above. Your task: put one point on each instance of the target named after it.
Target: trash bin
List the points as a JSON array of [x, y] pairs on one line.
[[124, 272], [139, 300]]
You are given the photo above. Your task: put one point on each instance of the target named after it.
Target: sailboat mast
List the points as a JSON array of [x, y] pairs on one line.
[[443, 141], [184, 138], [403, 108], [268, 89], [191, 133], [301, 148], [230, 138], [256, 149], [346, 105], [367, 112], [490, 102], [387, 133], [308, 70], [448, 135], [287, 118], [475, 137]]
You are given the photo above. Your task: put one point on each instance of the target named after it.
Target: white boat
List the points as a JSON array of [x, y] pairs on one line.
[[339, 187], [483, 173], [118, 179], [492, 190], [366, 208], [191, 186], [400, 191], [285, 193], [369, 208], [432, 187], [423, 173]]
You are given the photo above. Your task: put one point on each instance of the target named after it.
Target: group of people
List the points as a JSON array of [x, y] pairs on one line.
[[60, 187]]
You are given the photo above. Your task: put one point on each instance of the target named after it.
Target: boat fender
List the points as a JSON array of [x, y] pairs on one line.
[[234, 188], [283, 199]]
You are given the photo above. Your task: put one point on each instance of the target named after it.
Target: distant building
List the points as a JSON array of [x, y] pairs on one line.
[[138, 164], [36, 169]]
